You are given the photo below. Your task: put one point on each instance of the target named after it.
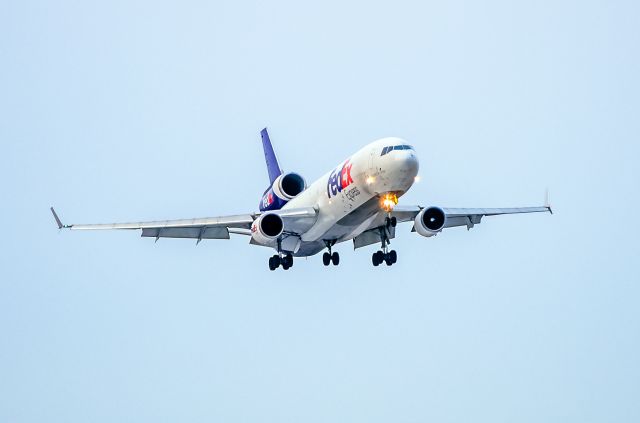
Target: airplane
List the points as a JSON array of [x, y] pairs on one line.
[[357, 200]]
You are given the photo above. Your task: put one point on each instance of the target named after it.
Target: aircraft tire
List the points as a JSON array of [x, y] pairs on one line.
[[326, 259], [393, 256], [274, 262], [335, 258], [288, 260]]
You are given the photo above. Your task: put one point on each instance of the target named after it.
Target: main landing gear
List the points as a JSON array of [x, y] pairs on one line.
[[384, 255], [328, 258], [389, 257], [284, 260]]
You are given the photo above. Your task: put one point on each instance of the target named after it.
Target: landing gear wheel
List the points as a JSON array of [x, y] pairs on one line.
[[393, 256], [387, 259], [330, 257], [286, 261], [274, 262], [377, 258], [394, 222]]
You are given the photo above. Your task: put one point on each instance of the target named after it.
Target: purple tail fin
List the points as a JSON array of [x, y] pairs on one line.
[[270, 157]]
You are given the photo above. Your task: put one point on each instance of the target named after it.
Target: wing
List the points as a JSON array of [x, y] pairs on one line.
[[199, 228], [377, 228], [465, 216]]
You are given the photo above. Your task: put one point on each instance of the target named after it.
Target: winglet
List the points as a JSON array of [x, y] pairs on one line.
[[270, 157], [547, 203], [58, 221]]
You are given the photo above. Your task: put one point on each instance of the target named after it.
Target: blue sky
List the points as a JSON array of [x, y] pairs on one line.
[[131, 110]]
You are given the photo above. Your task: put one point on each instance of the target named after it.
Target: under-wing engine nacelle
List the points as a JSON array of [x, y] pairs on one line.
[[283, 189], [266, 229], [430, 221]]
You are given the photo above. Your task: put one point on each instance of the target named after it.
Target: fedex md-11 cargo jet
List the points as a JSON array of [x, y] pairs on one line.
[[357, 200]]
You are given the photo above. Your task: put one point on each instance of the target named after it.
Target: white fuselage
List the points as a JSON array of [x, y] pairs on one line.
[[348, 197]]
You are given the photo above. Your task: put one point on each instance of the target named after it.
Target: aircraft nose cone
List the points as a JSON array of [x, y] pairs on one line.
[[403, 170], [411, 163]]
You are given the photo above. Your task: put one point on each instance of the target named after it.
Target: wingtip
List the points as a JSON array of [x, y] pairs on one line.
[[58, 221], [547, 202]]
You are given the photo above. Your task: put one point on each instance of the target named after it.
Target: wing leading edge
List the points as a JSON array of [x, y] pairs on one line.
[[472, 216], [199, 228]]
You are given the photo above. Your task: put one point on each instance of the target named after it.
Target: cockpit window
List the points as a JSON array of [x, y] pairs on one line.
[[395, 147]]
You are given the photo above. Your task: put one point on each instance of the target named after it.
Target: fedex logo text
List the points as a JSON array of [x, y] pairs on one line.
[[339, 179], [267, 200]]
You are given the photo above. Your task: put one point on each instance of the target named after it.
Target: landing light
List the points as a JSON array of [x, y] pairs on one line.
[[388, 201], [417, 178], [370, 180]]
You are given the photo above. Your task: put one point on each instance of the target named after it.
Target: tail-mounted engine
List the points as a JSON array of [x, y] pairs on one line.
[[266, 229], [284, 188], [430, 221]]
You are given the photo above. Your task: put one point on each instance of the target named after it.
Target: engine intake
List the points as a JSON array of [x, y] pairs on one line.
[[288, 185], [430, 221], [267, 228], [284, 188]]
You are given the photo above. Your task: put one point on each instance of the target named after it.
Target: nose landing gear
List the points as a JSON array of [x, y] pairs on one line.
[[330, 258]]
